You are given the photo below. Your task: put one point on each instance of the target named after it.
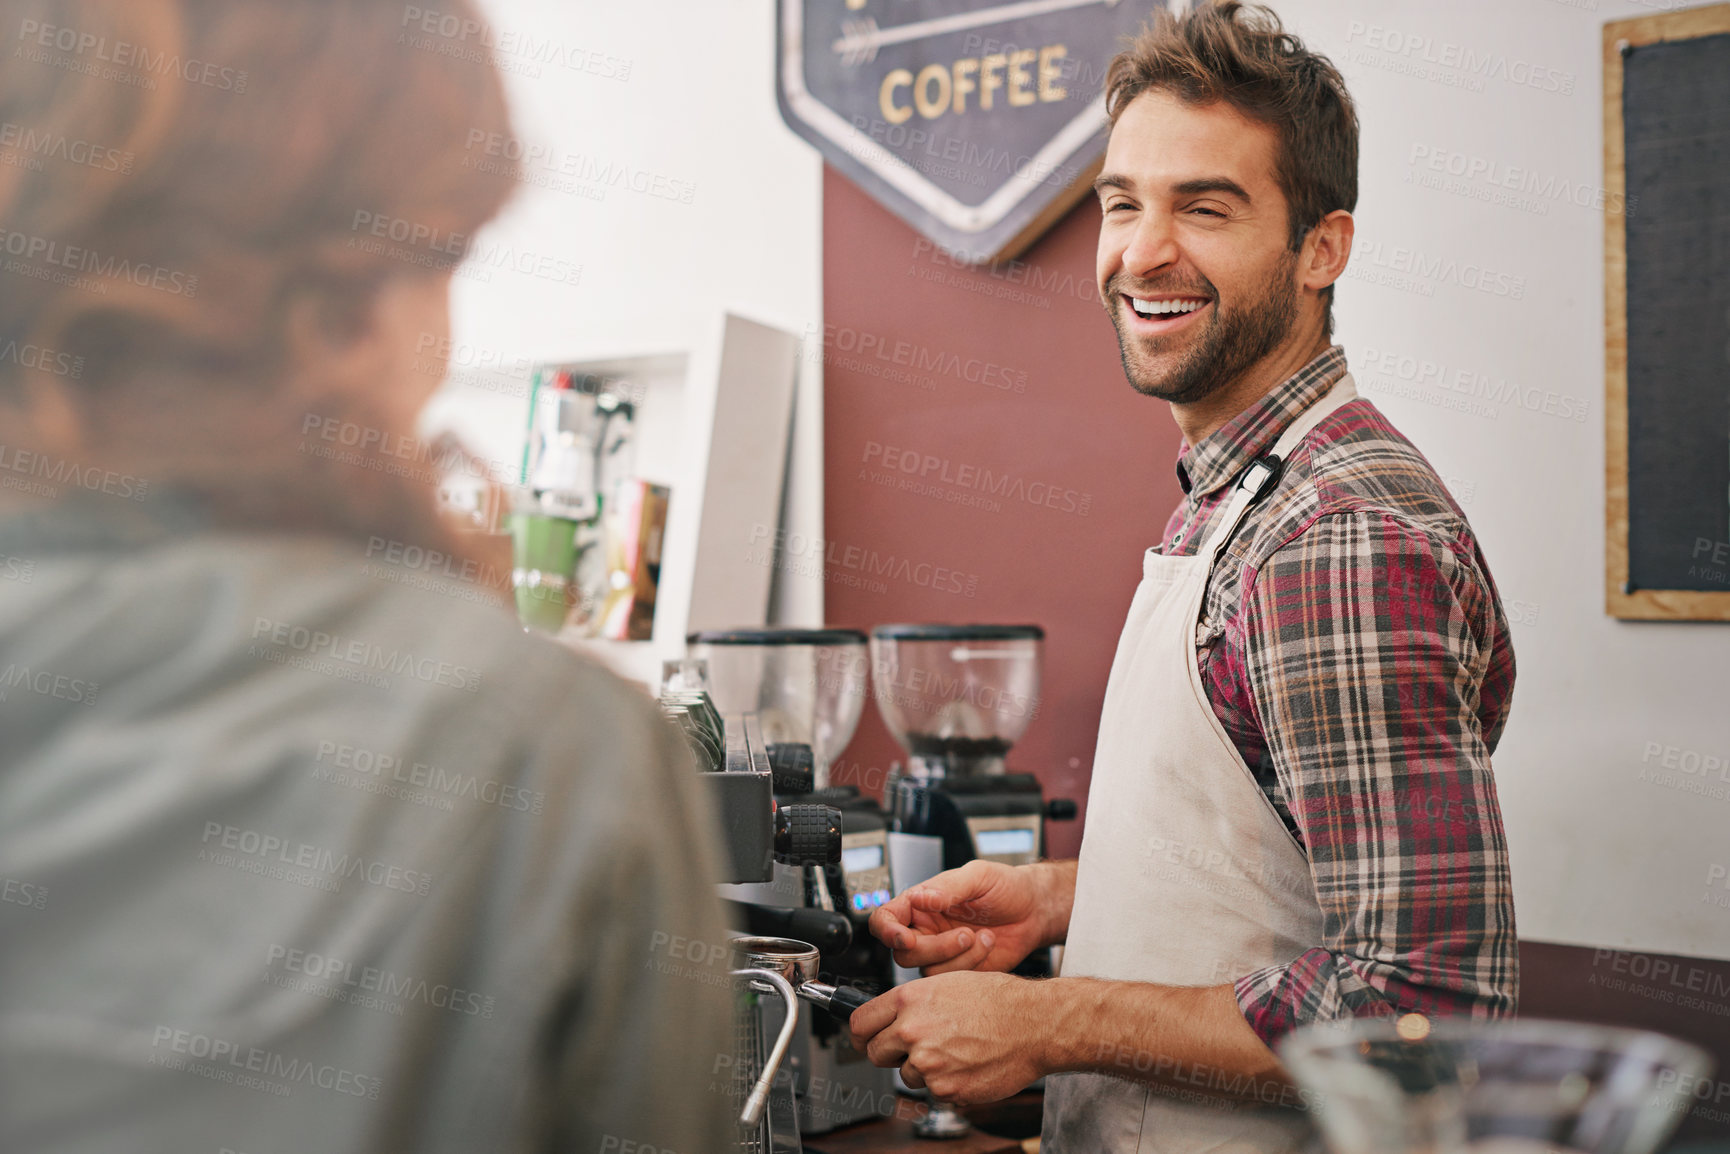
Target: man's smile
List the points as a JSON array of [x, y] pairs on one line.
[[1157, 316]]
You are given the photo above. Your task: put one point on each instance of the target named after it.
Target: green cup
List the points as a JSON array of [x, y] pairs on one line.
[[544, 559]]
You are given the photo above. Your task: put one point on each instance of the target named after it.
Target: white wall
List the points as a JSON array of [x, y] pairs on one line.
[[1601, 857], [682, 93]]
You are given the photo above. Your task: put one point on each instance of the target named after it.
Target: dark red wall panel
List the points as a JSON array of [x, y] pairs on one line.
[[954, 373]]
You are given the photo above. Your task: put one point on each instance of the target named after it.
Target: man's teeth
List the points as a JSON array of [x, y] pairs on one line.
[[1158, 308]]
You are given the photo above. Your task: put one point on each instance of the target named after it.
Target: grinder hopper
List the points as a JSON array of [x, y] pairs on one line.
[[956, 697]]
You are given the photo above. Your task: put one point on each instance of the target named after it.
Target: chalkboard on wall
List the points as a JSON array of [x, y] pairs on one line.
[[1667, 284]]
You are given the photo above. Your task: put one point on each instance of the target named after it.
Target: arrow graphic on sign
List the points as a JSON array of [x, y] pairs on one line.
[[862, 38]]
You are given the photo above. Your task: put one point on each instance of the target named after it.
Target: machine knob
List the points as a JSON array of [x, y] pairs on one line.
[[807, 835], [1060, 809]]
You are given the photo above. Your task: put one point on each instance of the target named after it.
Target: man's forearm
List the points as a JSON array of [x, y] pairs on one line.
[[1193, 1039], [1056, 882]]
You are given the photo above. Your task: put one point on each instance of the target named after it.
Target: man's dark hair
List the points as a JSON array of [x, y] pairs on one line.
[[1241, 54]]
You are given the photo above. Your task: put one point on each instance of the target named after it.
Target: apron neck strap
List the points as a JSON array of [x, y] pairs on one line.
[[1264, 472]]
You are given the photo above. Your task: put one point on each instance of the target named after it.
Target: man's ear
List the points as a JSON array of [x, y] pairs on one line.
[[1326, 250]]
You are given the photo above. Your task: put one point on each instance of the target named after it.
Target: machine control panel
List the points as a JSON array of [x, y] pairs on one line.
[[865, 865], [1012, 839]]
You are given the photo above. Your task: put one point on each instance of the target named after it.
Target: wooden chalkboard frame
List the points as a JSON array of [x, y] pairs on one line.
[[1620, 600]]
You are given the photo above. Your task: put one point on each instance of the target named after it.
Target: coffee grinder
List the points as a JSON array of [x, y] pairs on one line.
[[957, 698], [806, 688]]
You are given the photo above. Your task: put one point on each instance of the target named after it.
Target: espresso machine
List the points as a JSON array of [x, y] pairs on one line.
[[805, 689], [760, 838], [768, 1122]]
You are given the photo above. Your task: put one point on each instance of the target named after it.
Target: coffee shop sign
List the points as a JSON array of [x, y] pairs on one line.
[[978, 122]]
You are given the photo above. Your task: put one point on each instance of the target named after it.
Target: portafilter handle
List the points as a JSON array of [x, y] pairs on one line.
[[759, 1096], [840, 1001]]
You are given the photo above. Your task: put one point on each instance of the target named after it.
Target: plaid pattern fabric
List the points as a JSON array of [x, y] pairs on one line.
[[1354, 647]]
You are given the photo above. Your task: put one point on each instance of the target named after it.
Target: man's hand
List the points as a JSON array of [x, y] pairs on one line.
[[983, 916], [968, 1038]]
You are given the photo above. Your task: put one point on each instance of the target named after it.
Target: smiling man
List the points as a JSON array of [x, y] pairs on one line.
[[1292, 816]]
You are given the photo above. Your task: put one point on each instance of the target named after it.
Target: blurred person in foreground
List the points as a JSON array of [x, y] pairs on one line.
[[294, 856]]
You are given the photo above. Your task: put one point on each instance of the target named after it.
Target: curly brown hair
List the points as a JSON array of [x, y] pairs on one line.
[[1241, 54], [198, 172]]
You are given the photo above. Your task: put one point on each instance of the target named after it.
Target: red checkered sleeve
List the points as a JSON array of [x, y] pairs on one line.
[[1366, 639]]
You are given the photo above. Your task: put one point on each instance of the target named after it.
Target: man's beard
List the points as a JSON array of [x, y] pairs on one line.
[[1230, 344]]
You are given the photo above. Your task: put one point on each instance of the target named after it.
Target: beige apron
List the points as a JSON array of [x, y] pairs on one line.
[[1187, 875]]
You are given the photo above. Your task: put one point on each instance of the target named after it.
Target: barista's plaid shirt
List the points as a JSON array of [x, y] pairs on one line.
[[1354, 647]]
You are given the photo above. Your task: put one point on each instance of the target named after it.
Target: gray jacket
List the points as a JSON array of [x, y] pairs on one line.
[[297, 859]]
